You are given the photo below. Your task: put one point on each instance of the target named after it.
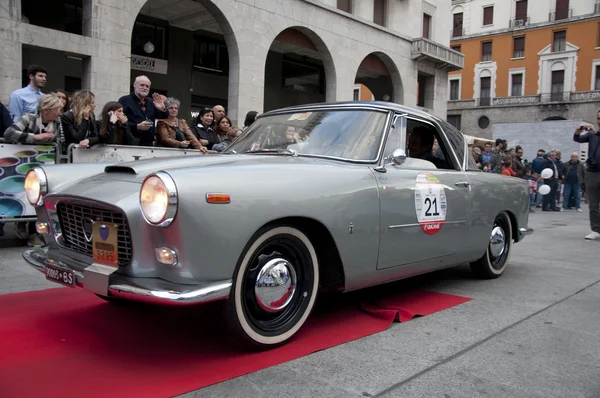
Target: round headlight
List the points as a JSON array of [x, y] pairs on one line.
[[36, 186], [158, 199]]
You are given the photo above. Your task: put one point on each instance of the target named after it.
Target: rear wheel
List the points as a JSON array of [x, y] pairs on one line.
[[494, 260], [274, 288]]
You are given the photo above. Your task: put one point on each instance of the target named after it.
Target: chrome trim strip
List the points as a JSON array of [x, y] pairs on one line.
[[127, 288], [418, 225]]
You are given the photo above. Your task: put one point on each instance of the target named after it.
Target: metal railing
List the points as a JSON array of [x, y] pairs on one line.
[[560, 14], [556, 97], [422, 47], [518, 22]]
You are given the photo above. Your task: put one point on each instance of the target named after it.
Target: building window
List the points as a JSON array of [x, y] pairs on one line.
[[345, 5], [426, 26], [486, 51], [483, 122], [454, 120], [457, 25], [560, 41], [300, 74], [558, 85], [519, 47], [72, 84], [488, 15], [457, 48], [562, 10], [379, 12], [516, 89], [521, 13], [454, 90], [210, 56], [598, 37], [356, 94], [485, 91], [147, 32], [597, 79]]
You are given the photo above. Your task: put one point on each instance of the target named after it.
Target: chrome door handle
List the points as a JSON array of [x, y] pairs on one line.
[[462, 183]]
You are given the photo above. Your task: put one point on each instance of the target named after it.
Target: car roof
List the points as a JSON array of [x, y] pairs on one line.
[[383, 105]]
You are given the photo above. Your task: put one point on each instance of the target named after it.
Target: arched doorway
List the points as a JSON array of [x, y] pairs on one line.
[[189, 51], [378, 79], [299, 70]]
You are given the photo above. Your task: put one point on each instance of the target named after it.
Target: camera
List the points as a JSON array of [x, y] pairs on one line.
[[584, 128]]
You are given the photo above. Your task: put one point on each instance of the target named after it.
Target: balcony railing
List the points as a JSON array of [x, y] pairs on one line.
[[560, 14], [556, 97], [485, 101], [518, 22], [444, 57], [457, 32]]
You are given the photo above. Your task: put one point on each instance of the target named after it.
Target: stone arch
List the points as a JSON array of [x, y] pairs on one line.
[[485, 73], [379, 73], [223, 16], [302, 43], [558, 65]]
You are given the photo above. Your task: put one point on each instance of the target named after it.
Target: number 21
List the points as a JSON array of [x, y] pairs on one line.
[[431, 203]]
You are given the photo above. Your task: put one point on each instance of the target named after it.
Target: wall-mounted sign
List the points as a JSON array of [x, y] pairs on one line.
[[148, 64]]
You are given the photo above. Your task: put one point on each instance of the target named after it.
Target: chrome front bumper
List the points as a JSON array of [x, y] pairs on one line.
[[523, 232], [151, 290]]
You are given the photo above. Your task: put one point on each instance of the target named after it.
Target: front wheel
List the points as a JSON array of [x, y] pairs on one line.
[[494, 260], [274, 288]]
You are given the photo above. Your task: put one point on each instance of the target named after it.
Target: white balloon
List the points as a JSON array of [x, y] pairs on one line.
[[544, 189], [547, 173]]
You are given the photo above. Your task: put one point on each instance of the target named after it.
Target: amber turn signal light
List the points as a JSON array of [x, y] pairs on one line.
[[221, 198]]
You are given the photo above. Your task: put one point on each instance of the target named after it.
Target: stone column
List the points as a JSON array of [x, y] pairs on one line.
[[11, 58]]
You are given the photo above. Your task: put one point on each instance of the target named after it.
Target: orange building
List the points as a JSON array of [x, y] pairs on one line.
[[524, 64]]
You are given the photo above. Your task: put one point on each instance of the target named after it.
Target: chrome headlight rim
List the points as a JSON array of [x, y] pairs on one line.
[[172, 199], [42, 181]]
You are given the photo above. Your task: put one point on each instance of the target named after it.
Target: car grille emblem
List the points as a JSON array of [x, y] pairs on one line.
[[88, 228]]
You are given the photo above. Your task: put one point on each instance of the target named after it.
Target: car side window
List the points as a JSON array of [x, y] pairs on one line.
[[456, 139], [424, 142]]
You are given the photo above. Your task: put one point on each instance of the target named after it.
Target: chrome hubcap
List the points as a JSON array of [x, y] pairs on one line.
[[497, 242], [275, 285]]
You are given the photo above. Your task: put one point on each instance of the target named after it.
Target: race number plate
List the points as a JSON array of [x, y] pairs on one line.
[[62, 276], [105, 244]]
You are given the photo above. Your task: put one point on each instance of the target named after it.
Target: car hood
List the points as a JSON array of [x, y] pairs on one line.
[[139, 169]]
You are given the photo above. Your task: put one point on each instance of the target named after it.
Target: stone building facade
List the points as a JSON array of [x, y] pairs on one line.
[[525, 61], [368, 42]]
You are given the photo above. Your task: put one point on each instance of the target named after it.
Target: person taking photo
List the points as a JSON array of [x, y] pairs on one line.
[[587, 133]]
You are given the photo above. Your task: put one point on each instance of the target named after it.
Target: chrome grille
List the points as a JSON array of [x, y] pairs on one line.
[[72, 218]]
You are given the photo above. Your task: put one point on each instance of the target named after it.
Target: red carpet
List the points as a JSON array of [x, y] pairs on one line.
[[66, 342]]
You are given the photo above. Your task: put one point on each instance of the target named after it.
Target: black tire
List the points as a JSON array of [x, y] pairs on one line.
[[253, 326], [493, 262]]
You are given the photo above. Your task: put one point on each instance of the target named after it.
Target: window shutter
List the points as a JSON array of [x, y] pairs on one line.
[[488, 15]]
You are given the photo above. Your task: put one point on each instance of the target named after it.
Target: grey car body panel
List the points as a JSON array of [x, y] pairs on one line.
[[210, 238]]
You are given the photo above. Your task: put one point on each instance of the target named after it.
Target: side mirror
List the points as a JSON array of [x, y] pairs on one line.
[[399, 156]]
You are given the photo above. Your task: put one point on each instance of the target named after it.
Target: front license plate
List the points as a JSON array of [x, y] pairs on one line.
[[104, 244], [64, 277]]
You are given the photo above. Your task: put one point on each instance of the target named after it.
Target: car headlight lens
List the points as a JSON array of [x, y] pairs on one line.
[[158, 199], [36, 186]]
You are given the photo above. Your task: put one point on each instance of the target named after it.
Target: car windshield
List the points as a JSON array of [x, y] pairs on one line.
[[347, 134]]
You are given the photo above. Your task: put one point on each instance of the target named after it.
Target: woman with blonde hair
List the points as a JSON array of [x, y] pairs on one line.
[[79, 123], [40, 127], [175, 133]]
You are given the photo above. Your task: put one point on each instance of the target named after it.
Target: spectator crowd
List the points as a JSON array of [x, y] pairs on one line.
[[140, 119]]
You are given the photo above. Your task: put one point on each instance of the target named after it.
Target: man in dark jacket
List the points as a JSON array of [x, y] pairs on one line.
[[592, 174], [142, 112], [5, 120], [574, 177], [549, 201]]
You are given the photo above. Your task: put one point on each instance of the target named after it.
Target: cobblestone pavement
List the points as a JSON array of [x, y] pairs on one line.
[[531, 333]]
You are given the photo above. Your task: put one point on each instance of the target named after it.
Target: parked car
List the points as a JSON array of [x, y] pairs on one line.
[[333, 197]]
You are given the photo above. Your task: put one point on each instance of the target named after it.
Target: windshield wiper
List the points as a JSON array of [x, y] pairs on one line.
[[286, 151]]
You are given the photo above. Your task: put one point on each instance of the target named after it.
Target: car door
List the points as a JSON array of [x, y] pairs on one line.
[[423, 209]]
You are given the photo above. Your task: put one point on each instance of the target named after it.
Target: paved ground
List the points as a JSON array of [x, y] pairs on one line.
[[531, 333]]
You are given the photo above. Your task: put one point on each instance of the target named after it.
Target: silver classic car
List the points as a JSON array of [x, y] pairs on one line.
[[332, 197]]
